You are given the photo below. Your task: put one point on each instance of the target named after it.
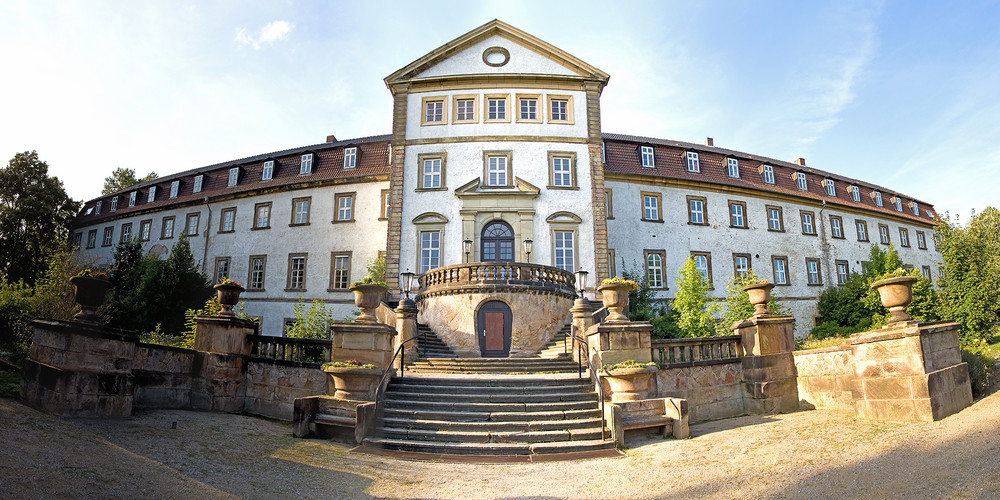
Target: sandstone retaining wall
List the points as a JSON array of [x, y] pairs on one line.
[[713, 391], [824, 377], [272, 387]]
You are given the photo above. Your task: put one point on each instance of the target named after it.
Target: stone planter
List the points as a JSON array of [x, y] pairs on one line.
[[615, 297], [760, 295], [353, 383], [896, 294], [367, 297], [630, 384], [228, 296], [90, 293]]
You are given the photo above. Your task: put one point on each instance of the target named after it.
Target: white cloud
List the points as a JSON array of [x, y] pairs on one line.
[[271, 32]]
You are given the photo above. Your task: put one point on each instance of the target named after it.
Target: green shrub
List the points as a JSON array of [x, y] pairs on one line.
[[832, 329], [980, 369]]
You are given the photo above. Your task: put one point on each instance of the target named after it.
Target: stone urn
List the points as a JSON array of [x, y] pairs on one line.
[[896, 294], [760, 295], [615, 298], [630, 384], [90, 293], [367, 297], [228, 296], [353, 383]]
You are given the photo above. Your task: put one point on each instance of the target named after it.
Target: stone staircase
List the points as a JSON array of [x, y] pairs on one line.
[[494, 365], [430, 346], [556, 347], [491, 415]]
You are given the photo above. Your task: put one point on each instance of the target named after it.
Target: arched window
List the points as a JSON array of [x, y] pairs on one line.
[[497, 242]]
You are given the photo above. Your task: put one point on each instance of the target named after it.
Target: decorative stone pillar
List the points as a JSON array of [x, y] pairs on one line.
[[769, 377], [222, 346], [611, 343], [406, 329], [582, 321]]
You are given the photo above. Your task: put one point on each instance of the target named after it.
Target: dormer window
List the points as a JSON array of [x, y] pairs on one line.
[[350, 158], [898, 203], [175, 187], [306, 164], [800, 181], [114, 203], [268, 171], [646, 154], [877, 196], [733, 167], [131, 198], [97, 207], [198, 181], [916, 208], [692, 162], [855, 194], [234, 177], [767, 173], [831, 189], [152, 194]]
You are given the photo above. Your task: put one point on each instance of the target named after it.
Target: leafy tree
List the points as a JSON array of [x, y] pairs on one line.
[[310, 323], [737, 306], [122, 178], [694, 320], [640, 301], [35, 214], [970, 288]]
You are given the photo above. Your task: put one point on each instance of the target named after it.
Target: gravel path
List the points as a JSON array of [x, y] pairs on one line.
[[812, 454]]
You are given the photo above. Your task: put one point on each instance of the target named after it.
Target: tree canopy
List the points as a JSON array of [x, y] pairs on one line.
[[122, 178], [970, 287], [35, 214]]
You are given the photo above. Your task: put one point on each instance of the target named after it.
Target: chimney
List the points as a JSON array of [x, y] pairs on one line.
[[331, 138], [801, 162], [709, 141]]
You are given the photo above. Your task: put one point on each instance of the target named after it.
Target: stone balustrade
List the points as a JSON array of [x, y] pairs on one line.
[[316, 351], [490, 276], [673, 353]]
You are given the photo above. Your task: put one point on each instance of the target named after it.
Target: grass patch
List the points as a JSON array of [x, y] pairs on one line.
[[10, 385]]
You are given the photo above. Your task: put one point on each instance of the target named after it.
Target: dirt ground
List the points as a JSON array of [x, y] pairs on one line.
[[809, 454]]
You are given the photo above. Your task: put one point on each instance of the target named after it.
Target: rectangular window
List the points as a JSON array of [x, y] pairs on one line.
[[228, 222], [384, 206], [651, 207], [693, 165], [738, 214], [78, 240], [800, 181], [114, 203], [199, 180], [175, 188], [109, 234], [904, 237], [167, 229], [697, 211], [151, 197], [221, 268], [808, 227], [234, 177], [126, 232], [843, 272], [92, 238], [767, 173], [655, 260], [862, 228], [431, 175], [831, 188], [916, 208], [921, 240], [430, 250], [268, 171], [775, 221], [300, 211], [262, 216], [837, 227], [703, 263], [345, 207], [812, 272], [340, 271], [496, 108], [780, 266], [883, 234], [255, 280], [741, 265], [191, 224], [97, 208], [898, 203], [296, 272], [527, 108], [733, 168], [306, 164], [497, 171], [609, 206], [145, 227], [350, 158], [465, 109], [564, 258], [855, 194], [433, 111], [647, 156], [926, 271], [562, 173], [560, 109], [131, 198], [877, 196], [611, 262]]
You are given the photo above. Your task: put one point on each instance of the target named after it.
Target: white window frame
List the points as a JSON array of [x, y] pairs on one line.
[[430, 250], [654, 269], [696, 211], [306, 164], [780, 267], [430, 176], [564, 252], [199, 180], [836, 227], [175, 188], [340, 270], [813, 276], [808, 223], [350, 158], [855, 194], [916, 208], [843, 271], [741, 271], [651, 207], [167, 228], [228, 222], [767, 174], [703, 263], [152, 194], [344, 206], [733, 168], [693, 164], [647, 156], [191, 229], [877, 196], [234, 177], [297, 272], [801, 182], [131, 198], [300, 211], [497, 171], [262, 216], [831, 188], [267, 171], [114, 203], [898, 203], [97, 207], [256, 274], [737, 214], [145, 228]]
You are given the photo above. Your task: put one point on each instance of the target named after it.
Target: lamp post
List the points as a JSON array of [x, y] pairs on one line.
[[527, 248], [581, 281], [406, 283], [468, 249]]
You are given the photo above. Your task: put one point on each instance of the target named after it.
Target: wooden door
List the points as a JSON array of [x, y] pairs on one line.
[[493, 328]]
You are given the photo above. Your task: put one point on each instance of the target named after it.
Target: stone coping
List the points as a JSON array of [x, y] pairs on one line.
[[354, 327], [173, 348], [761, 320], [901, 330], [526, 287], [225, 320], [86, 329], [819, 350]]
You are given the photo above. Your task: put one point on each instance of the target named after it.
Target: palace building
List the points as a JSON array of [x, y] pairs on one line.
[[494, 185]]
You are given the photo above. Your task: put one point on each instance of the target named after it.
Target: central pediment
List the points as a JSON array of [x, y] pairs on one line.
[[476, 189]]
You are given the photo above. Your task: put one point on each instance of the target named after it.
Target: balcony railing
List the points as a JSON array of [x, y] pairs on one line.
[[290, 349], [672, 353], [480, 276]]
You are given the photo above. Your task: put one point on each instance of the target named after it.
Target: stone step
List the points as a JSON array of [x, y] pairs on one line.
[[393, 403], [494, 386], [491, 426], [460, 448], [458, 397], [491, 436], [483, 415]]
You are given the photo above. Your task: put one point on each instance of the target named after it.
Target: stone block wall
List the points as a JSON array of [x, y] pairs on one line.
[[273, 387], [824, 377], [163, 376], [713, 391]]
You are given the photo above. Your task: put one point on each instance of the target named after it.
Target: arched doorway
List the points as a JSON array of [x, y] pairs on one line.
[[493, 322], [497, 242]]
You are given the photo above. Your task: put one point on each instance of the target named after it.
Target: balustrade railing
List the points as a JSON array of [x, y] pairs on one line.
[[493, 273], [672, 353], [315, 351]]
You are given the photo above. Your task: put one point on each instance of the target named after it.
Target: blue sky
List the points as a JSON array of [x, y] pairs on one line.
[[901, 94]]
